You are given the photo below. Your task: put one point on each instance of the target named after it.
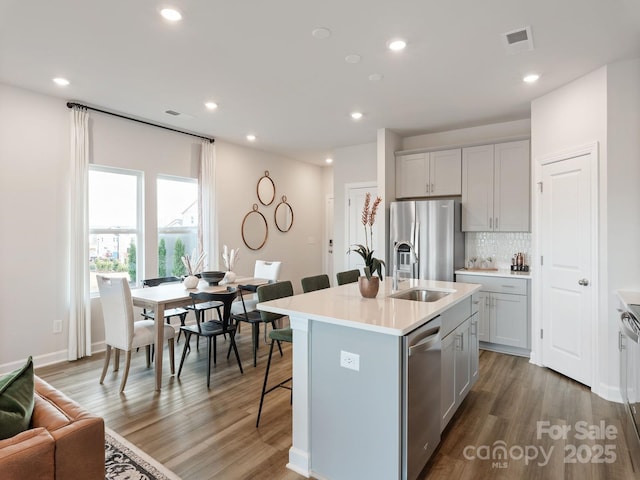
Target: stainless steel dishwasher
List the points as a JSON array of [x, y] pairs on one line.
[[421, 397]]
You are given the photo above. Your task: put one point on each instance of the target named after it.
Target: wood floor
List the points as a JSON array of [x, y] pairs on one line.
[[205, 434]]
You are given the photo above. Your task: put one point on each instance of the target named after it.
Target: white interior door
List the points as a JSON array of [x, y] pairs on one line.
[[567, 238], [355, 205]]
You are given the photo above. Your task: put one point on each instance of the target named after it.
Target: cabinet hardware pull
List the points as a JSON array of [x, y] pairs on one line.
[[490, 222], [508, 286], [496, 223], [432, 189], [427, 186]]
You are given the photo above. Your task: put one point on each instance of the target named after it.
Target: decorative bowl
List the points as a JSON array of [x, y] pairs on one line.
[[212, 278]]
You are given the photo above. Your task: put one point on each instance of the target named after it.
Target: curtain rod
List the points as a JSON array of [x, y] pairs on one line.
[[74, 104]]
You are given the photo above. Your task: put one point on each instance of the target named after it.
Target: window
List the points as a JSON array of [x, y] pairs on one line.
[[115, 206], [177, 223]]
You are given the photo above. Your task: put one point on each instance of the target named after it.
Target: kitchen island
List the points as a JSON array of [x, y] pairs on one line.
[[349, 395]]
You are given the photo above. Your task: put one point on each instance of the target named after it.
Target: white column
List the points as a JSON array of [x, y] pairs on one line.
[[299, 454]]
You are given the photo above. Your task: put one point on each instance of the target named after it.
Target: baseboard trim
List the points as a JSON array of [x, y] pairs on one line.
[[47, 359]]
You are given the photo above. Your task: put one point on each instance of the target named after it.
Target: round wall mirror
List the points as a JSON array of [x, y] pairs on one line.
[[266, 189], [283, 215], [254, 229]]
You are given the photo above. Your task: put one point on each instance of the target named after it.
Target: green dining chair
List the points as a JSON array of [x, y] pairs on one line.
[[316, 282], [349, 276]]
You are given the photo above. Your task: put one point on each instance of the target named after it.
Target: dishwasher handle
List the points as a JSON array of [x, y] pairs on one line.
[[625, 317], [425, 344]]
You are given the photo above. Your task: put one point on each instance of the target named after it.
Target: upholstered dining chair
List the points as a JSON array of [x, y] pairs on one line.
[[121, 331], [179, 312], [211, 329], [316, 282], [265, 293], [349, 276]]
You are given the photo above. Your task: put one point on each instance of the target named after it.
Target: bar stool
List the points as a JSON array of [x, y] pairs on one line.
[[265, 293], [349, 276]]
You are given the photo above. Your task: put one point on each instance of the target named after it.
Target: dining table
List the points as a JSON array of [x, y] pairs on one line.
[[174, 295]]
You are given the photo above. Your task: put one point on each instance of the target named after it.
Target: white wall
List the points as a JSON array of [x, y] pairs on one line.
[[602, 107], [34, 147], [353, 164], [300, 249], [490, 133]]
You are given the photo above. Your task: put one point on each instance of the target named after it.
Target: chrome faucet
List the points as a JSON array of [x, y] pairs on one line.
[[396, 261]]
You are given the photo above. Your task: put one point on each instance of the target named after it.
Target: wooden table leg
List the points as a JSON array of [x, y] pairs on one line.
[[159, 317]]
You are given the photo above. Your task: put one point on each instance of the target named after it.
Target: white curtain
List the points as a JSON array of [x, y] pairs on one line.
[[79, 297], [208, 227]]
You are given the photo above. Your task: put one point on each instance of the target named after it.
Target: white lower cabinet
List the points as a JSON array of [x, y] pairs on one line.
[[503, 313], [459, 365]]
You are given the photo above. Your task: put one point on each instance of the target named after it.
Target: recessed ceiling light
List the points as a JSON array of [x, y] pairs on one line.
[[329, 160], [376, 77], [397, 45], [211, 105], [171, 14], [321, 33], [63, 82], [356, 115], [531, 78], [251, 138], [353, 58]]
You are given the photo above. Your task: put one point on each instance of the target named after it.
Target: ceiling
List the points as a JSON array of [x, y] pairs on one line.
[[271, 77]]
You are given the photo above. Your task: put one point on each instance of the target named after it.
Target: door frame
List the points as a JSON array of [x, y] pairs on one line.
[[347, 189], [592, 150], [328, 250]]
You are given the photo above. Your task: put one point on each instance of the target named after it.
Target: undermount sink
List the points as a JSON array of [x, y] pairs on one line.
[[421, 294]]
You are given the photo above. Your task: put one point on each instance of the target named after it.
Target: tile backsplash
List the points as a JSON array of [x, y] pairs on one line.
[[497, 246]]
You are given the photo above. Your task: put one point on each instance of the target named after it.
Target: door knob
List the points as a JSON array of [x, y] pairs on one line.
[[583, 281]]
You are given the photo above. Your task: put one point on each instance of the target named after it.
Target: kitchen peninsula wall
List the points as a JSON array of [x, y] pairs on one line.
[[499, 246]]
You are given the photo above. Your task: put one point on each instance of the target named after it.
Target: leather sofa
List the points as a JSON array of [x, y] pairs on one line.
[[64, 441]]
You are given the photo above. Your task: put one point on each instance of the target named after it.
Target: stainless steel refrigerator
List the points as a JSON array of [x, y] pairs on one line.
[[434, 229]]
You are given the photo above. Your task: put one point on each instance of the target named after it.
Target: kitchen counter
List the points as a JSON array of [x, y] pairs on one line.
[[494, 273], [345, 306], [349, 372], [629, 297]]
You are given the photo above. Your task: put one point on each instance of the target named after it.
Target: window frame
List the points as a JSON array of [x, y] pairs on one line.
[[183, 229], [140, 220]]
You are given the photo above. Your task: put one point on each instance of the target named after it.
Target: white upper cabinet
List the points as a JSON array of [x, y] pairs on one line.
[[495, 188], [512, 185], [429, 174]]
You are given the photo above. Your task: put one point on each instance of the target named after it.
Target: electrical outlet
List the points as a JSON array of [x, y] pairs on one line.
[[57, 326], [350, 360]]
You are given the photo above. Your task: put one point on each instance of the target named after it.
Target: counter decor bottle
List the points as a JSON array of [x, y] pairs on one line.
[[369, 284]]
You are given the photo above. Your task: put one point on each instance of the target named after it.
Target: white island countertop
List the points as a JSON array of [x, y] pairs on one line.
[[343, 305]]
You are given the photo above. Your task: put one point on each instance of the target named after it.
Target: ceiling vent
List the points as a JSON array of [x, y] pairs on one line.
[[172, 112], [519, 40]]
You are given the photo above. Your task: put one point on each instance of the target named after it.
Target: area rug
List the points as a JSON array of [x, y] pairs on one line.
[[125, 461]]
